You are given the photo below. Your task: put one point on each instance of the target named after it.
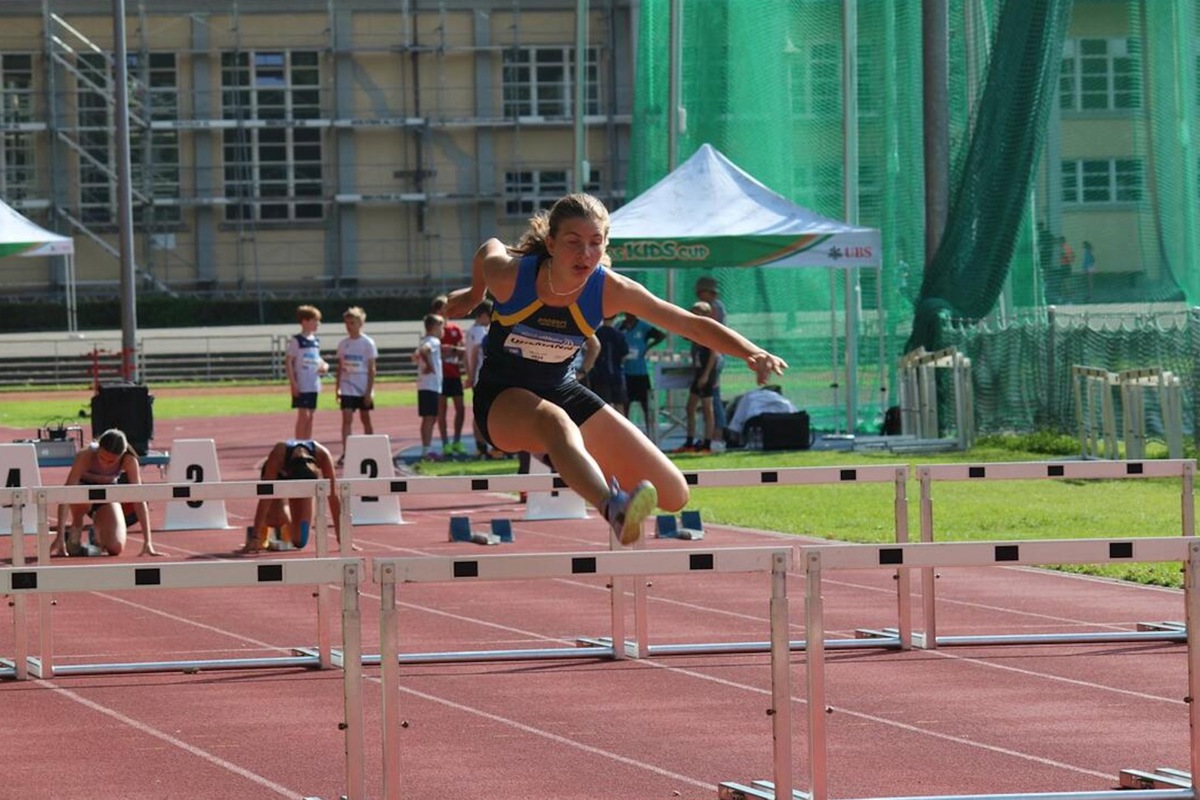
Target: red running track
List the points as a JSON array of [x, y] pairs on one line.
[[952, 721]]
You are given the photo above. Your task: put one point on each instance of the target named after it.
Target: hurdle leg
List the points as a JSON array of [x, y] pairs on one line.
[[928, 576], [903, 576], [19, 606], [814, 635], [641, 609], [781, 678], [352, 683], [389, 663], [45, 661], [324, 645], [1191, 610]]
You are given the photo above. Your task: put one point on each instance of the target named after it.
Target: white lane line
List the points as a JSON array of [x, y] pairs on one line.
[[174, 741]]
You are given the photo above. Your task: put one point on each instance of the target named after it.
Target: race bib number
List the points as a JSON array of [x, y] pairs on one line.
[[542, 346]]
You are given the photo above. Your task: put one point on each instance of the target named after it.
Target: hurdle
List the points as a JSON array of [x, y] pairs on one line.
[[727, 478], [930, 555], [1134, 384], [44, 581], [43, 666], [1094, 411], [1183, 469], [392, 572]]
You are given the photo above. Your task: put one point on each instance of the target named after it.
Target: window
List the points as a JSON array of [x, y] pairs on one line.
[[1116, 180], [528, 191], [815, 81], [154, 155], [273, 172], [17, 178], [1099, 75], [540, 82]]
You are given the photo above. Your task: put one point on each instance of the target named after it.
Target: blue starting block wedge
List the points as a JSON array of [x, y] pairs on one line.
[[460, 531], [502, 530], [667, 527]]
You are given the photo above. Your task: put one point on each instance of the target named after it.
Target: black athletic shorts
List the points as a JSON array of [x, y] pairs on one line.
[[427, 402], [452, 387], [357, 402], [571, 396], [304, 400], [637, 388]]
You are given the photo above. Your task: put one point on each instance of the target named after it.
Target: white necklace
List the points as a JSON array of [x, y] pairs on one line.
[[556, 292]]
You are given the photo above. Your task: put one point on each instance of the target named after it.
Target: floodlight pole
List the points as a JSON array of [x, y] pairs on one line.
[[129, 369]]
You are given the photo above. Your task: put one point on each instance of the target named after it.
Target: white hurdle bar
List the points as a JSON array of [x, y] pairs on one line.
[[726, 478], [389, 572], [48, 496], [1183, 469], [995, 554], [346, 572]]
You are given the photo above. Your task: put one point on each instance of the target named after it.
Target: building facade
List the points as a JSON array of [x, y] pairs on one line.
[[306, 145]]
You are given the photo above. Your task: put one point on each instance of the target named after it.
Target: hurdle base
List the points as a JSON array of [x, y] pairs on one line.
[[631, 648], [1161, 778], [451, 657], [1167, 625], [718, 648], [756, 790], [62, 670]]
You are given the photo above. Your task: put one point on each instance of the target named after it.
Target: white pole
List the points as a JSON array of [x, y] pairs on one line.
[[850, 168]]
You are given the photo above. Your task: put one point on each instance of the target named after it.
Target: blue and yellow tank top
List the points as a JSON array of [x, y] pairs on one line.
[[530, 343]]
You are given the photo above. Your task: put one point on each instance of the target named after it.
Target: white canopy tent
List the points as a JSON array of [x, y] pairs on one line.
[[20, 237], [709, 213]]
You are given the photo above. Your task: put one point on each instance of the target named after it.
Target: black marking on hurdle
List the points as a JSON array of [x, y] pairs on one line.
[[700, 561], [1120, 549], [581, 565], [976, 472], [559, 483], [848, 475], [97, 494], [181, 491], [692, 478], [1135, 468], [1008, 552], [466, 569], [24, 580], [264, 489], [769, 477], [270, 573], [891, 555], [398, 487], [1055, 470], [480, 484], [147, 576]]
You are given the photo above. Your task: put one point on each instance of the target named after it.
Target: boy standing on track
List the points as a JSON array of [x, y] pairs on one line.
[[428, 356], [304, 367], [704, 386], [357, 354], [452, 383]]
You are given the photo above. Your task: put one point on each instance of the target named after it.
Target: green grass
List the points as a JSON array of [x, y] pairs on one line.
[[998, 510], [16, 412]]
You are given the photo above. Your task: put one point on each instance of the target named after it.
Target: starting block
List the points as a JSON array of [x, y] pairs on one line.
[[501, 531], [689, 526]]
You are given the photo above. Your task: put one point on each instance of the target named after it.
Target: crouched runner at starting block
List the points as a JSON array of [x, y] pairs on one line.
[[296, 460]]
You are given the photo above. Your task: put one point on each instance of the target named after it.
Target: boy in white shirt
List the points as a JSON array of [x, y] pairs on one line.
[[357, 354], [428, 356], [304, 367]]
